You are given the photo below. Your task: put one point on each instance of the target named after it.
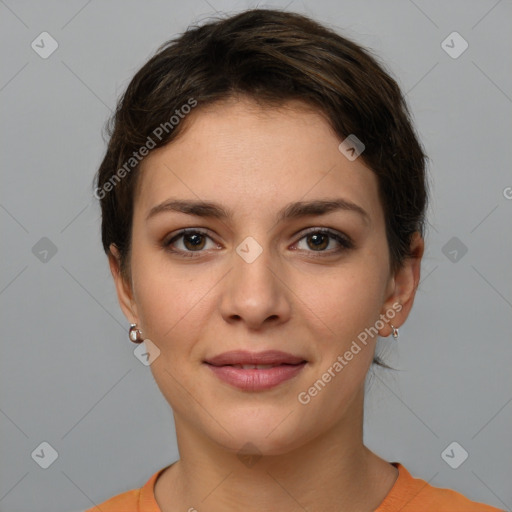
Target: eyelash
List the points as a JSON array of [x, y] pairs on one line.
[[344, 241]]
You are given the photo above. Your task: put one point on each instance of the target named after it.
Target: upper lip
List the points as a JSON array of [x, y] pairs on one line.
[[245, 357]]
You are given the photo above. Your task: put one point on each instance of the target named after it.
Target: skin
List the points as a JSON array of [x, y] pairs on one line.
[[254, 160]]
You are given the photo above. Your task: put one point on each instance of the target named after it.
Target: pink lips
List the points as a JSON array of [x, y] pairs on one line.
[[255, 371]]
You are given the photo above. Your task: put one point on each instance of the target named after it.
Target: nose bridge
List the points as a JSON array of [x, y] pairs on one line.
[[252, 262], [254, 292]]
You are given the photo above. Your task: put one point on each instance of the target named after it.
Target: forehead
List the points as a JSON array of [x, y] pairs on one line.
[[256, 159]]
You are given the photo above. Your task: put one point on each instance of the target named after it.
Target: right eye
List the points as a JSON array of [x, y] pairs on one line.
[[191, 240]]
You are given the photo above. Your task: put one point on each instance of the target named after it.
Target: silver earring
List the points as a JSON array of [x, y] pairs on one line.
[[135, 334], [394, 331]]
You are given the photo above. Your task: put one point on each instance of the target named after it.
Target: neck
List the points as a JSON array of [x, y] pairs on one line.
[[333, 471]]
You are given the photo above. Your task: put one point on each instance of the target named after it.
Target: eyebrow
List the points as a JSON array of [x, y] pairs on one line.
[[294, 210]]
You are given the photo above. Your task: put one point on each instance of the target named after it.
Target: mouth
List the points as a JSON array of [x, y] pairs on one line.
[[250, 371], [257, 366], [268, 358]]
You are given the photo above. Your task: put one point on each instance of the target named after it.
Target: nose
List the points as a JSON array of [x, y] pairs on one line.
[[255, 292]]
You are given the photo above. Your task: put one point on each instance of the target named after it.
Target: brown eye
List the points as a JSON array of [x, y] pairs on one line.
[[187, 241], [194, 241], [318, 240]]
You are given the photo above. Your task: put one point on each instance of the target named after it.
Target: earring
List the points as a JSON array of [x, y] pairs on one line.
[[394, 331], [135, 334]]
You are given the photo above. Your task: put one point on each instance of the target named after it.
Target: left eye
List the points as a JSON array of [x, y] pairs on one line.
[[319, 240]]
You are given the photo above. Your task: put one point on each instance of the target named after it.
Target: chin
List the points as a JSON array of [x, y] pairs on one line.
[[246, 443], [265, 434]]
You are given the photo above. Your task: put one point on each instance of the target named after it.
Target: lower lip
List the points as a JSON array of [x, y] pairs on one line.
[[254, 379]]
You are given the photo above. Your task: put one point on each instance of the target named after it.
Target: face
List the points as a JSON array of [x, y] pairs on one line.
[[272, 274]]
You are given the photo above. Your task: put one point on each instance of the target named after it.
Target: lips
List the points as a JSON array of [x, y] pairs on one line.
[[254, 366], [251, 371], [254, 359]]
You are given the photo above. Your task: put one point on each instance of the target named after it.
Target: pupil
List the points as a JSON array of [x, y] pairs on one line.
[[194, 240], [317, 242]]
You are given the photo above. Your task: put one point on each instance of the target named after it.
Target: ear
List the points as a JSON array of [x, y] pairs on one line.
[[402, 287], [123, 286]]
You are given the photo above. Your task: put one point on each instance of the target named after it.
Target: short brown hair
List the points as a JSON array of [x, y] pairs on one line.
[[271, 56]]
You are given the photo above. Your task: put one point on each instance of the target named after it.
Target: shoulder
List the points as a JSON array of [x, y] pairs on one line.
[[410, 494], [125, 502], [136, 500]]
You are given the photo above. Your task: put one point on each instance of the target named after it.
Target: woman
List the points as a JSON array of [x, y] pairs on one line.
[[263, 198]]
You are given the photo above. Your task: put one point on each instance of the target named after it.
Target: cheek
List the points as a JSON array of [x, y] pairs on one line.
[[341, 308], [345, 302], [170, 304], [170, 300]]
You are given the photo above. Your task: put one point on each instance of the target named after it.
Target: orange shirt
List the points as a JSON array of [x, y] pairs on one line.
[[408, 494]]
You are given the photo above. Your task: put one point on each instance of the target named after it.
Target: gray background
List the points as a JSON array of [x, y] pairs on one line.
[[68, 373]]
